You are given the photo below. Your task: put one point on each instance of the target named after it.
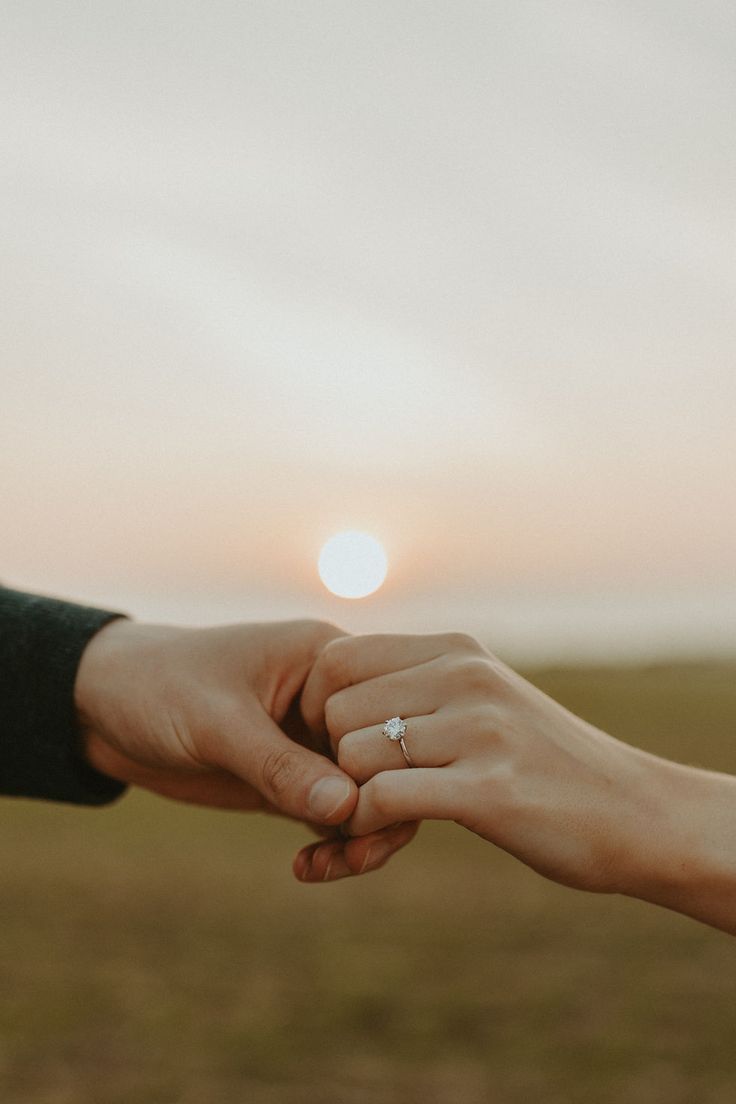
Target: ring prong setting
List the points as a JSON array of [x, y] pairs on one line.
[[394, 729]]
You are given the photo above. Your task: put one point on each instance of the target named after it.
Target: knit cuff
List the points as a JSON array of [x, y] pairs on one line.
[[41, 645]]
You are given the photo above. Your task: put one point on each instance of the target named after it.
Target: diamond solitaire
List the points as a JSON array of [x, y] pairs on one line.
[[395, 728]]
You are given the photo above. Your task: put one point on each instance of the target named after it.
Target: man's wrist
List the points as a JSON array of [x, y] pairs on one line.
[[111, 687], [97, 672]]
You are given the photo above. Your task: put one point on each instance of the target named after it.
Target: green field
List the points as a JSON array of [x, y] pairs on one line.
[[153, 953]]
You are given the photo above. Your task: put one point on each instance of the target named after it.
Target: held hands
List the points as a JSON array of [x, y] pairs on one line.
[[248, 717], [252, 716]]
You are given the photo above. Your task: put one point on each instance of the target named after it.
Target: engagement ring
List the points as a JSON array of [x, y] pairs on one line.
[[395, 730]]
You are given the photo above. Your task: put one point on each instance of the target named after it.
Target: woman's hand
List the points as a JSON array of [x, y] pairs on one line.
[[492, 753]]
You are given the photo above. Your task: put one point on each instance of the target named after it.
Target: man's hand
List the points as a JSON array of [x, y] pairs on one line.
[[196, 714]]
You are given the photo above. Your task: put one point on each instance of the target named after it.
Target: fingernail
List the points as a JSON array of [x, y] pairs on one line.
[[326, 875], [377, 854], [305, 868], [327, 796]]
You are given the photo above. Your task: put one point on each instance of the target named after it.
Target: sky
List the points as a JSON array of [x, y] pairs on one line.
[[458, 274]]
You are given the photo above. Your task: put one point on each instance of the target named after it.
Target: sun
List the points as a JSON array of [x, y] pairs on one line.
[[352, 564]]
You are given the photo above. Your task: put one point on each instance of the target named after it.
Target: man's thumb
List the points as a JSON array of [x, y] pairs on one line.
[[299, 782]]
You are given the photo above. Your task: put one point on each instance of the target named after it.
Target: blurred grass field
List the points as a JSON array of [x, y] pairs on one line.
[[164, 955]]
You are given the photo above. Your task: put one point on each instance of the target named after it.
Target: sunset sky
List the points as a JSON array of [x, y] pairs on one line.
[[462, 275]]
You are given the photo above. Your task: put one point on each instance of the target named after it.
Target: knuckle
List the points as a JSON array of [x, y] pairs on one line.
[[462, 642], [476, 675], [334, 656], [480, 720], [279, 771]]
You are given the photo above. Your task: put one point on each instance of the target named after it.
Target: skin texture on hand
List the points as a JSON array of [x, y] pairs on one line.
[[210, 716], [504, 760], [195, 714]]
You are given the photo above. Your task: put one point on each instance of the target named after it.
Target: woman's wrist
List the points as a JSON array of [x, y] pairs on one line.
[[686, 854]]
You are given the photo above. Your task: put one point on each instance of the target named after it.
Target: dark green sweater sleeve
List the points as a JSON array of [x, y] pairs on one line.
[[41, 644]]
